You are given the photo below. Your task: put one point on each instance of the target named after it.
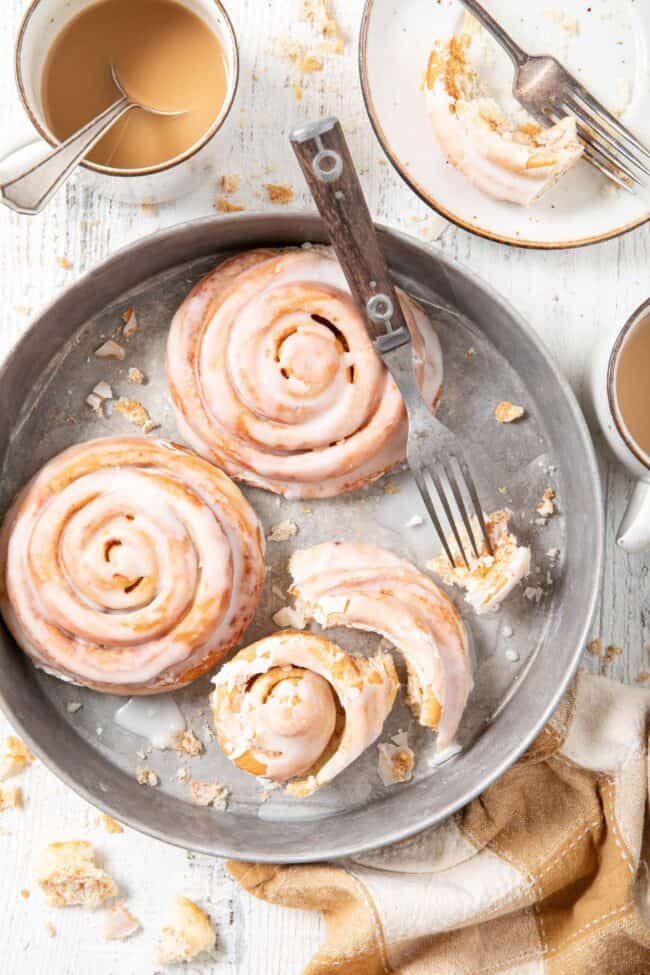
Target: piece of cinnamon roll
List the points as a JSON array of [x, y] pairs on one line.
[[369, 588], [297, 709], [513, 160], [129, 565], [273, 376]]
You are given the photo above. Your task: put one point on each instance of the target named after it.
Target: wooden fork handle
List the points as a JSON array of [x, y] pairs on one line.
[[325, 160]]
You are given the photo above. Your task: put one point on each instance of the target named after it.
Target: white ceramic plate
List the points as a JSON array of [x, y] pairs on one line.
[[609, 53]]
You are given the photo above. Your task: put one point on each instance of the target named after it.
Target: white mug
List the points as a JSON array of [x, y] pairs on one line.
[[154, 184], [634, 532]]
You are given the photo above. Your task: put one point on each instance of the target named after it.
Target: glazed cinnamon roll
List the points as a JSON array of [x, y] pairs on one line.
[[296, 709], [129, 565], [273, 376], [368, 588]]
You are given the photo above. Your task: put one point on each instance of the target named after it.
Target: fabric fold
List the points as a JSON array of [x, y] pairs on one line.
[[546, 873]]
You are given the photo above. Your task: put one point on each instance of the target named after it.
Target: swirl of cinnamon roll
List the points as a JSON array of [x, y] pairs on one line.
[[273, 376], [368, 588], [129, 565], [297, 709]]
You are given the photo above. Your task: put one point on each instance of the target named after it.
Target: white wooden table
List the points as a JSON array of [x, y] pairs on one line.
[[570, 298]]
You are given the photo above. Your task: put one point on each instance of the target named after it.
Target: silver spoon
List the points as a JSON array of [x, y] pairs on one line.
[[33, 189]]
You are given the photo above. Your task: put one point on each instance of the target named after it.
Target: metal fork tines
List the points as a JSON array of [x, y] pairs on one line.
[[550, 92], [440, 470]]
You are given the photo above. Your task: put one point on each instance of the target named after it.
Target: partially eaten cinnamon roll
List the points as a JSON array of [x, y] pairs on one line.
[[297, 709], [512, 160], [369, 588], [273, 376]]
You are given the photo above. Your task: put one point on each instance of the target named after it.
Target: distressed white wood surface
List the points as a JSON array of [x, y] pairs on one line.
[[571, 299]]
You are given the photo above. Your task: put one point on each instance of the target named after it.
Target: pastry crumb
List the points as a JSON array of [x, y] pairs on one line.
[[111, 825], [130, 323], [188, 932], [183, 774], [110, 350], [119, 924], [390, 487], [290, 618], [506, 412], [103, 390], [643, 677], [51, 930], [136, 375], [147, 776], [209, 794], [69, 876], [533, 593], [283, 531], [613, 651], [188, 744], [222, 205], [11, 797], [490, 578], [15, 757], [279, 193], [230, 183], [96, 403], [65, 263], [308, 64], [595, 647], [546, 506], [136, 413], [395, 763], [319, 16]]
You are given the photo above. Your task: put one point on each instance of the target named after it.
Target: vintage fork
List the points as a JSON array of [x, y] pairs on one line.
[[549, 92], [434, 454]]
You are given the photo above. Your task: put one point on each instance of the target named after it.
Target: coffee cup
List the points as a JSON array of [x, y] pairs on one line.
[[610, 397], [31, 139]]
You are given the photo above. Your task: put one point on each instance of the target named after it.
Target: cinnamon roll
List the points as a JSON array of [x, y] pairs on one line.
[[297, 709], [273, 376], [368, 588], [129, 565]]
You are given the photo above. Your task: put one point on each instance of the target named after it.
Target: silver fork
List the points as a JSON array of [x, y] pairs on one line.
[[549, 92], [434, 454]]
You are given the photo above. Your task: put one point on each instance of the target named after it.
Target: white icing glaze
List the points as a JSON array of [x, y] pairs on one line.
[[369, 588], [158, 719], [273, 376], [129, 566], [276, 703]]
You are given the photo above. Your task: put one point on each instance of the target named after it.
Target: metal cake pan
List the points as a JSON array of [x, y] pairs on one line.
[[42, 387]]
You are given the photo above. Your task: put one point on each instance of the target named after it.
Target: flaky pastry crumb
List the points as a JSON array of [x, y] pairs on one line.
[[69, 876], [187, 933]]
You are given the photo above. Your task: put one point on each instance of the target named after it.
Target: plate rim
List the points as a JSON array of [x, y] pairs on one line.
[[429, 200], [391, 833]]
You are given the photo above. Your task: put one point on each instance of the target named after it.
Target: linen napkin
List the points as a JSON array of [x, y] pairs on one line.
[[545, 873]]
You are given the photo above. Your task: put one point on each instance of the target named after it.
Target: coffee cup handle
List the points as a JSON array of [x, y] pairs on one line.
[[26, 148], [634, 533]]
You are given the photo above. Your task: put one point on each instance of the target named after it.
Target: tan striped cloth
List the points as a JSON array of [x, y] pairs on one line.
[[545, 874]]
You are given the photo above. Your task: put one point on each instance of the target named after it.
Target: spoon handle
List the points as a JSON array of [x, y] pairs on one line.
[[325, 160], [30, 192]]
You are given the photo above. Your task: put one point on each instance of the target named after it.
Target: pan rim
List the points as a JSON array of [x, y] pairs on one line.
[[293, 222]]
